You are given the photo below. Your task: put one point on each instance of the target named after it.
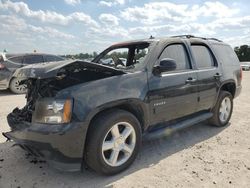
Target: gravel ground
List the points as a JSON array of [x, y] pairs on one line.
[[200, 156]]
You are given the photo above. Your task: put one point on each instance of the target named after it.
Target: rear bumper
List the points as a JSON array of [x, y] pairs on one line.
[[61, 145]]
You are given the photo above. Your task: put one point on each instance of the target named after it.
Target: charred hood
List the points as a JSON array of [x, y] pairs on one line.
[[53, 69]]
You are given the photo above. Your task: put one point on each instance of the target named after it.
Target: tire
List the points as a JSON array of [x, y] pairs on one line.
[[101, 159], [218, 118], [16, 88]]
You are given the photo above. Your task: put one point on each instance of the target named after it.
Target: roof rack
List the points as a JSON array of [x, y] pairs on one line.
[[192, 36], [183, 36]]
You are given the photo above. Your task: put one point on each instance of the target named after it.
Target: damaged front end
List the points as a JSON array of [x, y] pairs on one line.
[[46, 125], [47, 79]]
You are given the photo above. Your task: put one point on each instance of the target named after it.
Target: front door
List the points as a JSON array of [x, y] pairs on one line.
[[173, 94]]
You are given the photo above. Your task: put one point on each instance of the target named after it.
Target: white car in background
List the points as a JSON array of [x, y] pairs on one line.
[[245, 65]]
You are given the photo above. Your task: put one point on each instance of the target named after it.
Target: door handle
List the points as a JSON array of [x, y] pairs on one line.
[[217, 75], [190, 80]]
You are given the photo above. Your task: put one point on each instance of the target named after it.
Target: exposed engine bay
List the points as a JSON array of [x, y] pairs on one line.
[[74, 73]]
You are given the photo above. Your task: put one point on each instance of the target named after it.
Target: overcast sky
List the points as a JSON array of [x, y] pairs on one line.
[[74, 26]]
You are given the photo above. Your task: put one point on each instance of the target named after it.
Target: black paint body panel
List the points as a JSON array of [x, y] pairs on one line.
[[159, 98]]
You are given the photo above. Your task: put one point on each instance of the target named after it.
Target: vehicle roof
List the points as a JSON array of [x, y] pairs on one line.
[[138, 41], [170, 38]]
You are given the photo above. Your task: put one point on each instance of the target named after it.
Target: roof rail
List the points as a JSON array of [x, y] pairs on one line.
[[192, 36], [214, 39], [183, 36]]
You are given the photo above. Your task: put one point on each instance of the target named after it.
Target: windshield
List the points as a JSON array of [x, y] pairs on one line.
[[129, 57]]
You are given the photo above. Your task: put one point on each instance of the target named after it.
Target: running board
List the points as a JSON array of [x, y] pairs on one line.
[[165, 131]]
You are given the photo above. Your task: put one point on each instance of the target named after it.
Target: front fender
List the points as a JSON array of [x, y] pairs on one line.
[[91, 97]]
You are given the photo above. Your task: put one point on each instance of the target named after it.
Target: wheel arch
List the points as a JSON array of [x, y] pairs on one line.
[[229, 86], [134, 106]]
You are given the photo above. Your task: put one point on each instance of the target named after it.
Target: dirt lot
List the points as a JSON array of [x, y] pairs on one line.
[[200, 156]]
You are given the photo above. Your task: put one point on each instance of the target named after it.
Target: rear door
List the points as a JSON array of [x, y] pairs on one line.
[[208, 74], [173, 94]]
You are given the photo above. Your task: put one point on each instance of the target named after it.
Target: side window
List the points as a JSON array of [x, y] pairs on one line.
[[202, 56], [32, 59], [226, 54], [179, 54]]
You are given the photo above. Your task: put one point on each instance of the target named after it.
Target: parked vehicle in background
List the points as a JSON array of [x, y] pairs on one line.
[[245, 66], [10, 62], [97, 113]]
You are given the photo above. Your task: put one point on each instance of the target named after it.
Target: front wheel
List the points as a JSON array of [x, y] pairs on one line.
[[223, 109], [113, 142]]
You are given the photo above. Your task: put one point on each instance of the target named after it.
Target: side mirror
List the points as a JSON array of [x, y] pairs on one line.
[[166, 64]]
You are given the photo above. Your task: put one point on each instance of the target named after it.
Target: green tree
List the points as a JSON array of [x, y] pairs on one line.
[[95, 54], [243, 52]]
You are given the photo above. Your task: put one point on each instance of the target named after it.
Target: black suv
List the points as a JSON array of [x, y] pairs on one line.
[[81, 113], [10, 62]]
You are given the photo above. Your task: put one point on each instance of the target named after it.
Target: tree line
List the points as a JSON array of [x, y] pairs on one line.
[[82, 56], [243, 53]]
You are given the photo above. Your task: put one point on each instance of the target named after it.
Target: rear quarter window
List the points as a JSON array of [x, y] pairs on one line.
[[225, 54]]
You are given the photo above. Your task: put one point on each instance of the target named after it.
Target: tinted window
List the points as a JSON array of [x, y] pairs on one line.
[[49, 58], [202, 56], [178, 53], [17, 59], [225, 54], [32, 59]]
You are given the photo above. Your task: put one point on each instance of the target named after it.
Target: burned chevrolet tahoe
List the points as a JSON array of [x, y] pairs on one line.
[[95, 113]]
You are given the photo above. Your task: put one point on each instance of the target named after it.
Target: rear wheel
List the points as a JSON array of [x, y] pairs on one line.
[[16, 88], [223, 109], [113, 142]]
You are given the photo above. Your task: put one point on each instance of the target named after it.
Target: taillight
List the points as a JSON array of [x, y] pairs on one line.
[[2, 66]]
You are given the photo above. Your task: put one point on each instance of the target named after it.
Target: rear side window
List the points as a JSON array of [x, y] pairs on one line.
[[32, 59], [49, 58], [226, 54], [202, 56], [17, 59], [179, 54]]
